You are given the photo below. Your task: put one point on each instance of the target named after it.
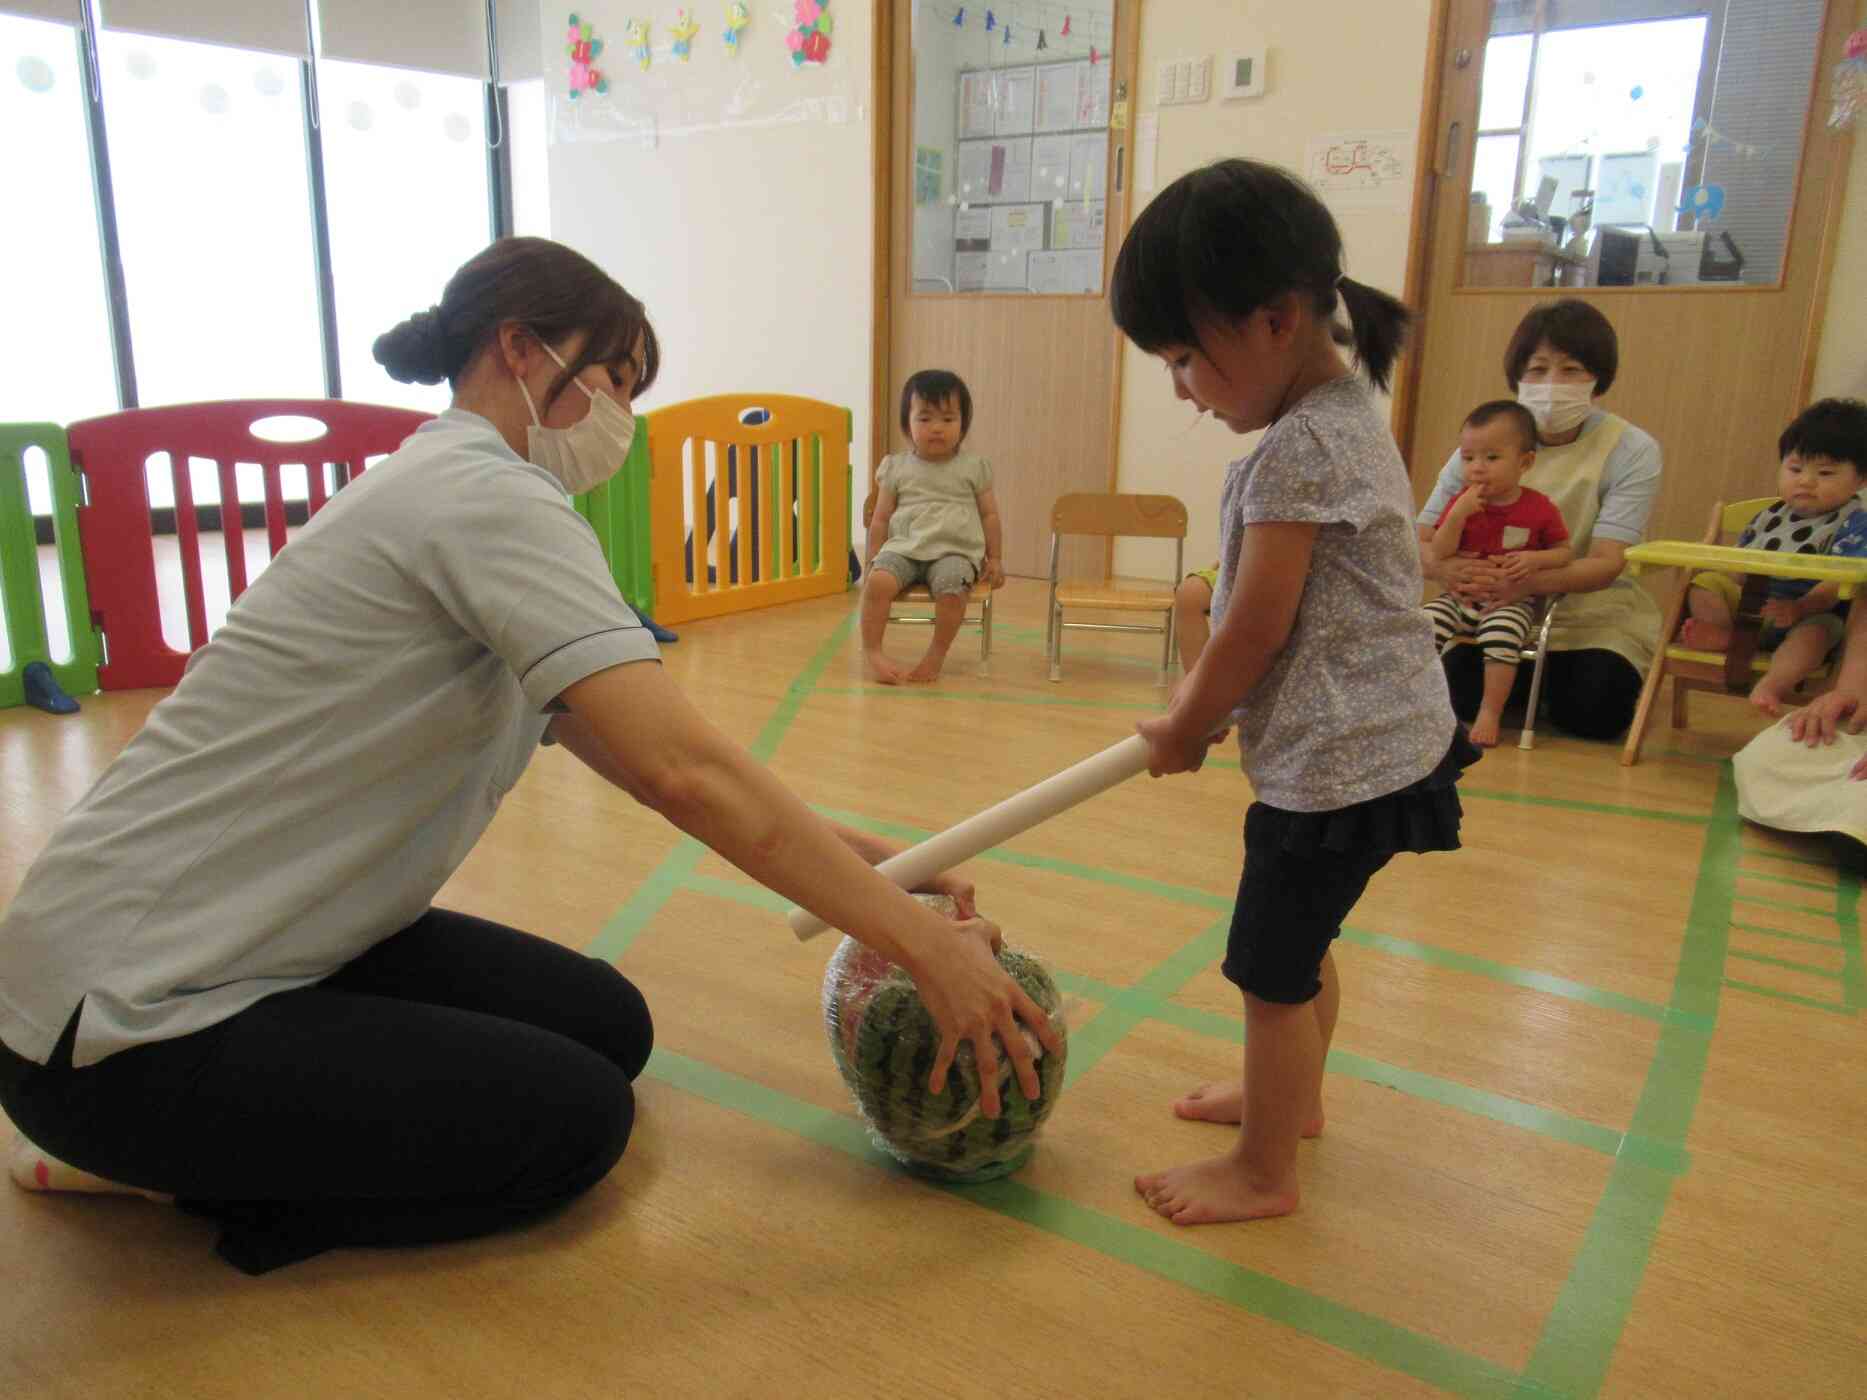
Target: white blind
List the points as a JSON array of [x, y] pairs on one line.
[[1517, 16], [59, 11], [436, 36], [521, 42], [274, 26]]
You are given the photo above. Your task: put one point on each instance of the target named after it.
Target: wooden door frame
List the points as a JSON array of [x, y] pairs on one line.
[[882, 77], [1437, 162]]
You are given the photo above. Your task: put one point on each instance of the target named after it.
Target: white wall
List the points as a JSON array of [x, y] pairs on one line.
[[750, 244], [1841, 366], [1332, 65]]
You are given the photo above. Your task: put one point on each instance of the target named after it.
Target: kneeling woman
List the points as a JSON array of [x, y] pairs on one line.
[[223, 980]]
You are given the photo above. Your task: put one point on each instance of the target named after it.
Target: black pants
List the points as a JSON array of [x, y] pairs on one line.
[[457, 1078], [1590, 693]]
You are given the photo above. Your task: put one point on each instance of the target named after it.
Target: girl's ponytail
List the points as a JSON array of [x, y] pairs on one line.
[[1379, 328]]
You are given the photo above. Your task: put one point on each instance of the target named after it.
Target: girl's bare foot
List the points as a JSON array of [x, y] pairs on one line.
[[1705, 636], [928, 670], [1484, 730], [881, 668], [34, 1170], [1217, 1189], [1222, 1102], [1770, 697]]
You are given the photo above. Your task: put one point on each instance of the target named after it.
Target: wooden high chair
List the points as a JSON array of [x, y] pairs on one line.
[[1736, 670]]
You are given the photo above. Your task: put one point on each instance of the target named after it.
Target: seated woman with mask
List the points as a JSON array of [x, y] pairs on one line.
[[1603, 473]]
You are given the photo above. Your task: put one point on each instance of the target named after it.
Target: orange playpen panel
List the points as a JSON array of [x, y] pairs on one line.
[[747, 515]]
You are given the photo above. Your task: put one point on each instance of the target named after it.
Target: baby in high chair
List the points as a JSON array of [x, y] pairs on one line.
[[1819, 511]]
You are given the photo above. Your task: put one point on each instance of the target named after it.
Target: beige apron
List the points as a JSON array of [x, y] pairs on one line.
[[1622, 617], [1793, 787]]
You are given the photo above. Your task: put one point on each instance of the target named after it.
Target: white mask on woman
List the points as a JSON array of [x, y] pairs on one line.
[[1557, 408], [591, 450]]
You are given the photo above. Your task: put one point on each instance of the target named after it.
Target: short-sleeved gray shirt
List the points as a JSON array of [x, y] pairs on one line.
[[936, 504], [1355, 706], [328, 759]]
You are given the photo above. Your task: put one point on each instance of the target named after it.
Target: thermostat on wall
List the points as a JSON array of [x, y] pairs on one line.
[[1242, 74]]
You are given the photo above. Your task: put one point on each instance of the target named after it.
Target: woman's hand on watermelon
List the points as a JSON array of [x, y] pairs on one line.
[[973, 998]]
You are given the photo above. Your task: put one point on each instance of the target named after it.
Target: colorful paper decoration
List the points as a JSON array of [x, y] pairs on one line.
[[635, 34], [1042, 41], [1705, 201], [1095, 56], [737, 18], [1065, 31], [959, 20], [809, 40], [683, 30], [1713, 138], [991, 21], [584, 75], [1007, 33], [1850, 87]]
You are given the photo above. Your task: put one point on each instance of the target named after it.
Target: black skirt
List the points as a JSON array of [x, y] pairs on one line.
[[1423, 816]]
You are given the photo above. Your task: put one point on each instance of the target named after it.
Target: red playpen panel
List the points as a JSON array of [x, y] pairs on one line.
[[111, 454]]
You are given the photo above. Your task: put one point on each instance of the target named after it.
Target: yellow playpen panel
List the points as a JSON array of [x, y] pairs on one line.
[[748, 504]]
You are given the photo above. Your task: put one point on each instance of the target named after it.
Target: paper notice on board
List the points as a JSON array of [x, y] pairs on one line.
[[976, 117], [1065, 274], [1057, 89], [1077, 223], [1017, 228], [1011, 170], [1092, 97], [1089, 164], [1015, 95], [969, 271], [1005, 272], [1146, 150], [1362, 169], [1050, 167], [972, 229]]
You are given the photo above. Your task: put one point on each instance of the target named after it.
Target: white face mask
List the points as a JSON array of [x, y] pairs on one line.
[[1557, 408], [590, 451]]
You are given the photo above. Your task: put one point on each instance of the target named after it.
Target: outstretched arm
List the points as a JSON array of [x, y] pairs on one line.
[[671, 758]]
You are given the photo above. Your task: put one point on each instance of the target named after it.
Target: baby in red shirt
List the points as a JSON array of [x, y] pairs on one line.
[[1498, 518]]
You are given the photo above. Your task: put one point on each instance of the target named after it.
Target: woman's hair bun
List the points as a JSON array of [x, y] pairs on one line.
[[417, 351]]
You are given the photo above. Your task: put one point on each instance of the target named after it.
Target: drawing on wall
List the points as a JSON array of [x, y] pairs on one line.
[[929, 168], [1362, 169]]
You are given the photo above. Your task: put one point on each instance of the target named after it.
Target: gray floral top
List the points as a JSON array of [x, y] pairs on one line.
[[1355, 706]]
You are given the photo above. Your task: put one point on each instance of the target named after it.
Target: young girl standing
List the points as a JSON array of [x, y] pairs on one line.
[[1232, 276]]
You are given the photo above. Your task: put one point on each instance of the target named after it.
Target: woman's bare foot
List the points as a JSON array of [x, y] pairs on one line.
[[1770, 697], [928, 671], [881, 668], [1484, 730], [33, 1170], [1223, 1102], [1705, 636], [1217, 1189]]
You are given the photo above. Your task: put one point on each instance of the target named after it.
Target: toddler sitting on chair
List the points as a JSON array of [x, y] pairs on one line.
[[1823, 467]]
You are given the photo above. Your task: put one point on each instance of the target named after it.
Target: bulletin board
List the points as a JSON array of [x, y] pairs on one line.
[[1029, 178]]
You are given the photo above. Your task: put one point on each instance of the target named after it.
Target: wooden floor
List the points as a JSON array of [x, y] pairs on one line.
[[1597, 1106]]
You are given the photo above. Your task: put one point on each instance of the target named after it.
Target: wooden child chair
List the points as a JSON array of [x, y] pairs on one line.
[[920, 601], [1112, 516]]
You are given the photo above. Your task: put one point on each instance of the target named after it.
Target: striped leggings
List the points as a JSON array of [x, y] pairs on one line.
[[1500, 634]]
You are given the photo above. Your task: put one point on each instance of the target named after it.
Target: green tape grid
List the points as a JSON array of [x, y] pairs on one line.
[[1840, 1008], [1786, 880], [1587, 1321], [1784, 933], [1847, 921], [1652, 814], [1164, 1256], [1584, 1327]]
